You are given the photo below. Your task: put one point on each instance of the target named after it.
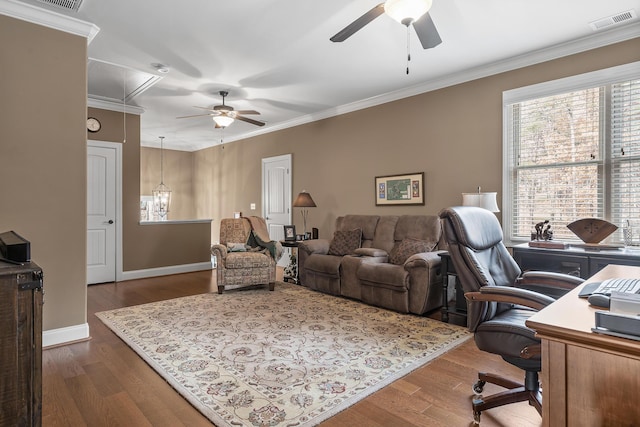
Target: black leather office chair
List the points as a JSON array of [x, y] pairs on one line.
[[500, 298]]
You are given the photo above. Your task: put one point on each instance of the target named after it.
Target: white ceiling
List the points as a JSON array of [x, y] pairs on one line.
[[275, 56]]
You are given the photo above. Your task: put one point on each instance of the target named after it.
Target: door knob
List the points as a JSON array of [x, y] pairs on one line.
[[110, 221]]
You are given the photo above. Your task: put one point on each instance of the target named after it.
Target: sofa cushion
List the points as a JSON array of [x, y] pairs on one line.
[[407, 247], [345, 242], [384, 275], [324, 264]]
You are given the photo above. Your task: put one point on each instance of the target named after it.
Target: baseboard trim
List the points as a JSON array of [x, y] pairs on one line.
[[60, 336], [164, 271]]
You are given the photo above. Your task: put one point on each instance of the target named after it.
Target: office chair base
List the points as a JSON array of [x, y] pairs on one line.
[[516, 393]]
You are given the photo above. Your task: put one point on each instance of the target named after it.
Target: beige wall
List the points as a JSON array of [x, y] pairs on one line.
[[43, 158], [178, 176], [454, 135], [147, 246]]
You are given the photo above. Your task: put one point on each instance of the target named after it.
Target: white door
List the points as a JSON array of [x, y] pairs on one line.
[[101, 214], [276, 196]]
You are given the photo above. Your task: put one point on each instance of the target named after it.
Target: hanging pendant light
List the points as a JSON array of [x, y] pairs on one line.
[[162, 193]]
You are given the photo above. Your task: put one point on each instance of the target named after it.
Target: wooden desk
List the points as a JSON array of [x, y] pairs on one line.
[[588, 379]]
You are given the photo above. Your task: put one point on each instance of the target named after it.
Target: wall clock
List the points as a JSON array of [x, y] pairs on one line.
[[93, 124]]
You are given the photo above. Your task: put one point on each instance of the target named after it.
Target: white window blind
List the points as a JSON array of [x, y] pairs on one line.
[[572, 151], [625, 152]]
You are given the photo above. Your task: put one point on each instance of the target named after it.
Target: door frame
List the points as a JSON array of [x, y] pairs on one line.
[[118, 151]]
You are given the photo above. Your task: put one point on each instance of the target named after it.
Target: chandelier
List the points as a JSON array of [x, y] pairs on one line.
[[162, 193]]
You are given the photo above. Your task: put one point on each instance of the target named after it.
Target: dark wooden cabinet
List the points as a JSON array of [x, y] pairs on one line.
[[577, 261], [20, 345]]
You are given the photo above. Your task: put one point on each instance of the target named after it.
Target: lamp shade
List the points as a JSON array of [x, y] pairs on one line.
[[406, 11], [304, 200], [482, 200]]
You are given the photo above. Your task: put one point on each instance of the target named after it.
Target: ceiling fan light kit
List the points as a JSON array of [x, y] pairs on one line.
[[223, 120], [406, 11]]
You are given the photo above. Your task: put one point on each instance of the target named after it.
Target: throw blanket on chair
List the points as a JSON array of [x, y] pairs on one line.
[[260, 235]]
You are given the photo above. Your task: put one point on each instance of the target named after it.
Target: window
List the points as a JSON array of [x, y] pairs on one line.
[[572, 151]]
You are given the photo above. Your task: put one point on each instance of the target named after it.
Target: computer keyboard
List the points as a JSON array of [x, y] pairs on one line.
[[606, 287]]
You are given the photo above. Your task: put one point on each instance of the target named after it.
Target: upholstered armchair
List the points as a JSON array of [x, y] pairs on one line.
[[245, 256]]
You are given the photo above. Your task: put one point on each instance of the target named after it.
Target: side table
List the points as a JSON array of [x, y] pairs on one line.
[[459, 308], [291, 271]]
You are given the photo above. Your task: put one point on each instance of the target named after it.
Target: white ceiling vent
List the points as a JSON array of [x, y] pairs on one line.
[[613, 20]]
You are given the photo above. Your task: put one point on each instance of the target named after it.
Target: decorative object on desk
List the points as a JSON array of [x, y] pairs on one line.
[[548, 244], [485, 200], [542, 231], [303, 201], [592, 230], [400, 189], [162, 193], [294, 358], [290, 232]]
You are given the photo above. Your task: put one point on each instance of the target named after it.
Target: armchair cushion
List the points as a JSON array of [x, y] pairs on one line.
[[407, 247], [345, 242], [236, 247], [247, 260]]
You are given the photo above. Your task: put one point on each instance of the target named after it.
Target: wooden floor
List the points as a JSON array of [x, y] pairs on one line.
[[102, 382]]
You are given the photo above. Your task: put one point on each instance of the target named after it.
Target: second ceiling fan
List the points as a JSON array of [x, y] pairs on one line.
[[406, 12], [223, 115]]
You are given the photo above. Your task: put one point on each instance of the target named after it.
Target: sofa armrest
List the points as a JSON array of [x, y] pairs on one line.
[[316, 246], [371, 252], [424, 260], [425, 291]]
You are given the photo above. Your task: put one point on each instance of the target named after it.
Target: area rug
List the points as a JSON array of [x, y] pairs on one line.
[[291, 357]]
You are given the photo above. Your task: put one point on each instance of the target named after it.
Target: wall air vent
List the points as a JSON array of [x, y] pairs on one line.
[[617, 19], [73, 5]]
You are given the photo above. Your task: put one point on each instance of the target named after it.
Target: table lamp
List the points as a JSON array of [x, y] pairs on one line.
[[482, 200], [304, 200]]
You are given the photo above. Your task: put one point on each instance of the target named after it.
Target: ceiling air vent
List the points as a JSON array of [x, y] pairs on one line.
[[73, 5], [613, 20]]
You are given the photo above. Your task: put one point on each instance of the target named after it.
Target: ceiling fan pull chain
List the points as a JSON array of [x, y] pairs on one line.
[[408, 49]]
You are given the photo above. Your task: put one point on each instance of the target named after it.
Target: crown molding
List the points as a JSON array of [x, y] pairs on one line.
[[46, 18], [114, 106], [594, 41]]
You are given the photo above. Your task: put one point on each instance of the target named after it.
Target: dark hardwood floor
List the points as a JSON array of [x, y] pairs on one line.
[[102, 382]]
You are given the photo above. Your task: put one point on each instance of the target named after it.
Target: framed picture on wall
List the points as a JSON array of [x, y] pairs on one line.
[[290, 232], [405, 189]]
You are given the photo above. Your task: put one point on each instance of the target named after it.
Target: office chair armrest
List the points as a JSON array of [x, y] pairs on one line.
[[548, 278], [531, 350], [510, 295]]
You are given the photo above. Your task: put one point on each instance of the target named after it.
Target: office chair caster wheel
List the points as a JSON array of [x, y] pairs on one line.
[[479, 386], [476, 418]]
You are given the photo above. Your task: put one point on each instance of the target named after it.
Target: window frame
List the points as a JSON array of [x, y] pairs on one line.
[[602, 77]]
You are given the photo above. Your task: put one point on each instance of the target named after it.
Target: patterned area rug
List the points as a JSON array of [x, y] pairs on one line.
[[283, 358]]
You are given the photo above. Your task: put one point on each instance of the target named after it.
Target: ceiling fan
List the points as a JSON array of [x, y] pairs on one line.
[[223, 115], [406, 12]]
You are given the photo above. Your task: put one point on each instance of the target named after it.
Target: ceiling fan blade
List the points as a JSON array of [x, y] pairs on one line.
[[352, 28], [204, 108], [198, 115], [248, 120], [427, 32], [246, 112]]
